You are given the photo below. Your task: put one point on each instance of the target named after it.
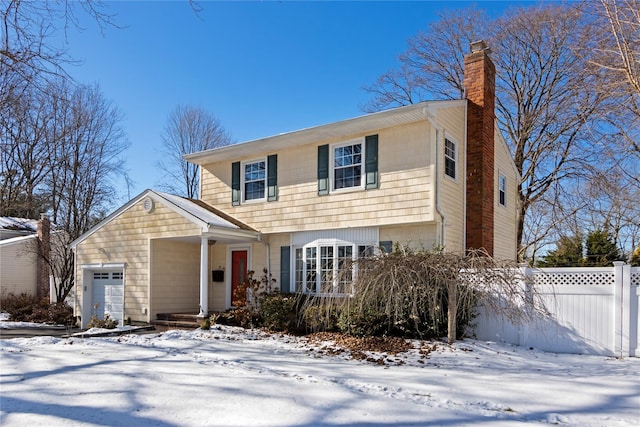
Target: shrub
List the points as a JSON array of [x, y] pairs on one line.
[[106, 323], [422, 294], [247, 299], [318, 314], [29, 308], [206, 324], [278, 312]]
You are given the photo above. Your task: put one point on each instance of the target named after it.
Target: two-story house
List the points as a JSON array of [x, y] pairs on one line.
[[433, 174]]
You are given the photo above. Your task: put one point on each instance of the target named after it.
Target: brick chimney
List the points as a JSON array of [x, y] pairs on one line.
[[44, 255], [480, 88]]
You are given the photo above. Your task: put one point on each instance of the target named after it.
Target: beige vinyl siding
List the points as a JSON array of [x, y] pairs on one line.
[[175, 277], [418, 236], [126, 239], [18, 267], [505, 217], [276, 241], [452, 192], [217, 290], [404, 194]]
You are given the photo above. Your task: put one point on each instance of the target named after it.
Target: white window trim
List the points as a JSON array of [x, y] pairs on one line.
[[317, 244], [455, 160], [502, 177], [332, 175], [242, 181]]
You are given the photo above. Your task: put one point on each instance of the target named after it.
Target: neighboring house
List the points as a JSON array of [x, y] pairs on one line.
[[430, 175], [21, 270]]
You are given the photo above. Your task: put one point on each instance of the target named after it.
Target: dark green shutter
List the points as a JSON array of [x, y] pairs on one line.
[[371, 162], [272, 178], [235, 183], [323, 170], [285, 269]]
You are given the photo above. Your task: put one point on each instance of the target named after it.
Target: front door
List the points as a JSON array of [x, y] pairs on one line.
[[238, 270]]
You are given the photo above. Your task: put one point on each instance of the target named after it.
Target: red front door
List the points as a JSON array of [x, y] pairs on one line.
[[238, 269]]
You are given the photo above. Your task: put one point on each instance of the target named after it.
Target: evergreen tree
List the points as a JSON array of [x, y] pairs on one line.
[[635, 258], [601, 249], [568, 253]]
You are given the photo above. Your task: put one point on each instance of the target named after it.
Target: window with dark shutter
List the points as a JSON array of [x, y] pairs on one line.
[[235, 183], [323, 170], [285, 265], [272, 178], [371, 162]]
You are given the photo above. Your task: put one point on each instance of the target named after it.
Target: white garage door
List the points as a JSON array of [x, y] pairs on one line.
[[108, 295]]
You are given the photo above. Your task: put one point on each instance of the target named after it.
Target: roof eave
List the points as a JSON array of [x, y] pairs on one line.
[[358, 125]]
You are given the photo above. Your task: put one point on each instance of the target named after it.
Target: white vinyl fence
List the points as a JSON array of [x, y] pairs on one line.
[[593, 311]]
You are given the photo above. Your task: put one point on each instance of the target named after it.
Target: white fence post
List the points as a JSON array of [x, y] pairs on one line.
[[523, 329], [619, 310], [626, 310]]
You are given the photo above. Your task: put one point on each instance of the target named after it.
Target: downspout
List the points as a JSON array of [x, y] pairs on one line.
[[443, 220], [75, 285], [436, 180]]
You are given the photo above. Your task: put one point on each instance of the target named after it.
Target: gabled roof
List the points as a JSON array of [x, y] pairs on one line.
[[18, 224], [210, 219], [345, 128]]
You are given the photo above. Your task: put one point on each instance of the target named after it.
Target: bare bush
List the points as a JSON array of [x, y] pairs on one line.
[[424, 294]]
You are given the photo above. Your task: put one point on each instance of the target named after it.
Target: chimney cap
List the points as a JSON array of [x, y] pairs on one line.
[[478, 46]]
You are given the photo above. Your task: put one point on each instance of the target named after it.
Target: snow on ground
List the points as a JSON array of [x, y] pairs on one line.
[[233, 377]]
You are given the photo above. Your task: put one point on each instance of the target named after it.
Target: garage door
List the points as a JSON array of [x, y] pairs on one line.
[[108, 295]]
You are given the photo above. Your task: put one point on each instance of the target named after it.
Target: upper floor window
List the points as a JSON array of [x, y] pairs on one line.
[[254, 180], [347, 165], [450, 158], [502, 190]]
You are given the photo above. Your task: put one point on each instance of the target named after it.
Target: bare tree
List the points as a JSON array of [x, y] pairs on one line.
[[87, 154], [616, 52], [189, 129], [432, 67], [544, 97], [547, 97], [27, 29], [61, 147]]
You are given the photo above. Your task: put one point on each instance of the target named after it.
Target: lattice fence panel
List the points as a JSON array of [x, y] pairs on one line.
[[635, 277], [566, 279]]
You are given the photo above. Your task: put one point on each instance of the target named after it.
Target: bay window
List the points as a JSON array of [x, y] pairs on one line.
[[328, 267]]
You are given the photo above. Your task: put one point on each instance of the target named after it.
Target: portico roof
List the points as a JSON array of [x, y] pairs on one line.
[[213, 222]]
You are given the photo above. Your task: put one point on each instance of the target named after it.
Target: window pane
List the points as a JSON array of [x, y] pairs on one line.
[[450, 158], [345, 269], [254, 180], [326, 269], [503, 190], [299, 270], [347, 166], [311, 265]]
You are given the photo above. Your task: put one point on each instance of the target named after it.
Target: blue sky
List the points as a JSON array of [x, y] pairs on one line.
[[261, 68]]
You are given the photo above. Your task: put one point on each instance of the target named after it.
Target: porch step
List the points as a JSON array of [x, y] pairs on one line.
[[178, 321]]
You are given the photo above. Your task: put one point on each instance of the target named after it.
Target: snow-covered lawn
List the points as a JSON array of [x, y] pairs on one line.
[[233, 377]]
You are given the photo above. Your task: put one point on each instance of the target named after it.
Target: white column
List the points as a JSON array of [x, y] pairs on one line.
[[204, 277]]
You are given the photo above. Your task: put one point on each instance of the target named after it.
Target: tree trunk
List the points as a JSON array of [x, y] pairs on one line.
[[452, 311]]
